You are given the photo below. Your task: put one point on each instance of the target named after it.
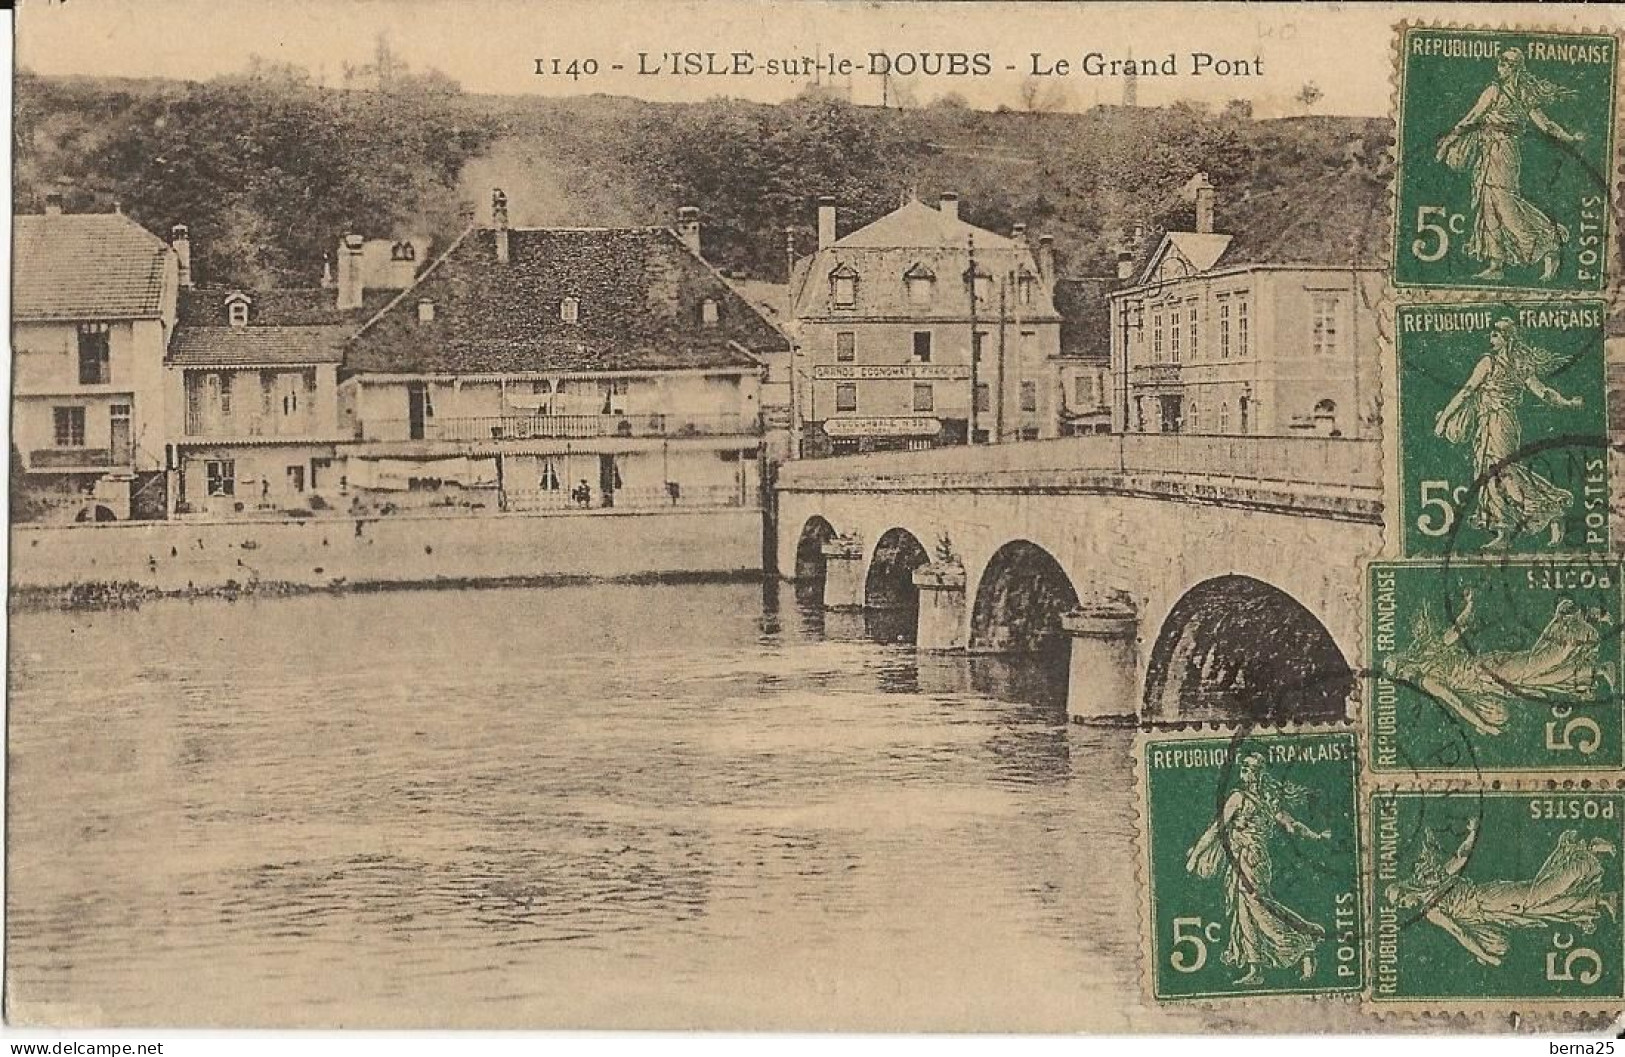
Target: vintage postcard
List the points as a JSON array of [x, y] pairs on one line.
[[750, 515]]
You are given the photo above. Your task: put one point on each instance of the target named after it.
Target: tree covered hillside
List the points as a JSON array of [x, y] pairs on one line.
[[268, 168]]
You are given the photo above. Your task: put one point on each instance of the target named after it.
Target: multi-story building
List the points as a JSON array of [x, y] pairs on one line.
[[93, 308], [887, 317], [529, 368], [1082, 365], [252, 385], [1271, 331]]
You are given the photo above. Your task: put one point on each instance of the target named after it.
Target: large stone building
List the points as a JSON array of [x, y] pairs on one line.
[[532, 368], [1273, 330], [886, 317], [93, 308]]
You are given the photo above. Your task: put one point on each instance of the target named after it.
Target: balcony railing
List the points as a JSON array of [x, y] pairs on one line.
[[77, 458], [547, 427], [1156, 374]]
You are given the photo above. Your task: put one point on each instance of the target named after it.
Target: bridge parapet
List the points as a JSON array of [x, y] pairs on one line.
[[1321, 477]]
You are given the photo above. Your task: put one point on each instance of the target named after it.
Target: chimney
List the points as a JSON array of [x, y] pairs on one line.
[[789, 254], [1204, 203], [688, 228], [950, 205], [826, 222], [181, 242], [1046, 257], [499, 223], [403, 264], [1018, 232], [1125, 263], [53, 204], [350, 281]]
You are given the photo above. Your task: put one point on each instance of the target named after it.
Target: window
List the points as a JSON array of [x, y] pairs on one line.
[[1027, 433], [1241, 328], [570, 310], [708, 312], [978, 342], [1029, 396], [1173, 335], [1193, 416], [1191, 326], [846, 346], [549, 481], [984, 397], [922, 346], [296, 478], [1224, 328], [924, 397], [843, 286], [1224, 417], [981, 286], [844, 446], [921, 283], [94, 354], [846, 396], [1083, 390], [237, 312], [222, 476], [68, 425], [1026, 288], [1327, 307], [1156, 337]]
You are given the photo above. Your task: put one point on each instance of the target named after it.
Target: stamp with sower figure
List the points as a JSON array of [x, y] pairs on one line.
[[1505, 149], [1252, 862], [1503, 428], [1487, 896], [1484, 666]]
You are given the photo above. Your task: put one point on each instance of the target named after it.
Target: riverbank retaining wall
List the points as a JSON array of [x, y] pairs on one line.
[[180, 556]]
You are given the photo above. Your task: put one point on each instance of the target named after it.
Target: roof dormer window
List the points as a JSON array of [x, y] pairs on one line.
[[843, 286], [980, 281], [1026, 287], [570, 310], [237, 310], [708, 312], [921, 283]]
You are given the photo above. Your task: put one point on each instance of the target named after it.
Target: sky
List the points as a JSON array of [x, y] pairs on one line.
[[491, 46]]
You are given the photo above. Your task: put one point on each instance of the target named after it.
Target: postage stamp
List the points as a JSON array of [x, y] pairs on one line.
[[1497, 895], [1252, 861], [1494, 666], [1505, 148], [1503, 418]]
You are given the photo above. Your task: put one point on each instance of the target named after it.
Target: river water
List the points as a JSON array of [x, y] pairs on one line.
[[608, 806]]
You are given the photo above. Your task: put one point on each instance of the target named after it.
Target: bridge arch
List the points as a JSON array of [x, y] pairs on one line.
[[1237, 646], [1020, 597], [889, 583], [810, 549]]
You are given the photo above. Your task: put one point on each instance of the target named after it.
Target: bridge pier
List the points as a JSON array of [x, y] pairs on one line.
[[1102, 672], [941, 625], [843, 573]]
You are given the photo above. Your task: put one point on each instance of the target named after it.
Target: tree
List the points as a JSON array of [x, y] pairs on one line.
[[1309, 95]]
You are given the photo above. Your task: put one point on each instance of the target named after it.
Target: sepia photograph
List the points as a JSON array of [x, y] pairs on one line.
[[814, 516]]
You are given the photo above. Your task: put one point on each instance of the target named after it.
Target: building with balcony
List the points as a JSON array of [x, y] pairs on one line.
[[1273, 330], [533, 368], [93, 308], [886, 319]]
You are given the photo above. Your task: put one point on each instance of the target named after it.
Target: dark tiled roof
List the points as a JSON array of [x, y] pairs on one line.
[[205, 306], [86, 266], [640, 293], [1085, 307], [251, 346]]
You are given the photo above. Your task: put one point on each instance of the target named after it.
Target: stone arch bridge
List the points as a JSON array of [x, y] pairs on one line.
[[1184, 576]]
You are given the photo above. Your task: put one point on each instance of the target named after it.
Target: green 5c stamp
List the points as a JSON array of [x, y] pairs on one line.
[[1503, 428], [1497, 895], [1253, 864], [1481, 666], [1505, 141]]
